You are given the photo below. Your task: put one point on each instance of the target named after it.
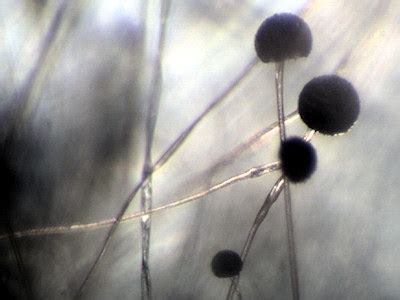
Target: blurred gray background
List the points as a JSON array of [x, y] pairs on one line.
[[79, 148]]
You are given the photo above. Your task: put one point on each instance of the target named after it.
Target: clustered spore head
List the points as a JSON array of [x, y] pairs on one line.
[[283, 36], [329, 104]]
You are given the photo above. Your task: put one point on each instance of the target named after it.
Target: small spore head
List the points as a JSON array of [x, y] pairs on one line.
[[283, 36], [298, 159], [226, 263], [329, 104]]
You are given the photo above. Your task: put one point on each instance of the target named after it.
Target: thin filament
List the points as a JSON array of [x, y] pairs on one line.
[[237, 290], [262, 213], [279, 99], [287, 195], [291, 242], [251, 173], [147, 191]]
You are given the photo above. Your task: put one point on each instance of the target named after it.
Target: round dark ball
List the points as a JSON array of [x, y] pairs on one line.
[[226, 263], [283, 36], [298, 159], [329, 104]]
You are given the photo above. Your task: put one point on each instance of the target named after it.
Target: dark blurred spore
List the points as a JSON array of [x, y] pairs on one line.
[[298, 159], [226, 263]]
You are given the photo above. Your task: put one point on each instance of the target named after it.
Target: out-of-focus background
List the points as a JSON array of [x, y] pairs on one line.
[[74, 82]]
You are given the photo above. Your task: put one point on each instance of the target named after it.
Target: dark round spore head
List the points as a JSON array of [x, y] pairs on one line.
[[298, 159], [226, 263], [329, 104], [283, 36]]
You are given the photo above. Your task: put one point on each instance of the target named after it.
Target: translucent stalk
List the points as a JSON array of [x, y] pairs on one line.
[[146, 205], [147, 191], [288, 202], [262, 213], [251, 173]]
